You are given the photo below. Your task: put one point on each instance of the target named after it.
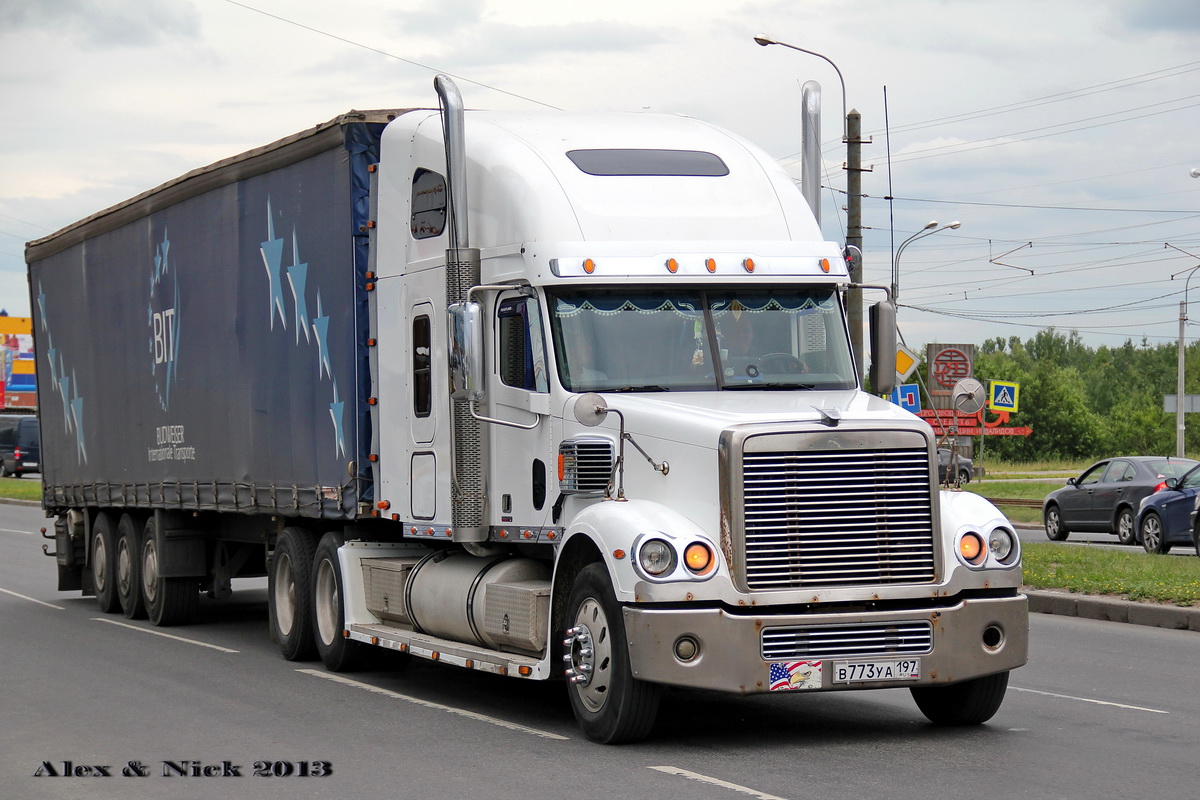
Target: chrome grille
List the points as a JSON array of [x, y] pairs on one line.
[[899, 638], [587, 465], [837, 518]]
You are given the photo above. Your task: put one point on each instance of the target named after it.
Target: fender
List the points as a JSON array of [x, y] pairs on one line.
[[614, 526], [966, 511]]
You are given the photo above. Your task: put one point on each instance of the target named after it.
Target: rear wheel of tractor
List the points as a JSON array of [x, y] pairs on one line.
[[103, 563], [128, 571], [1056, 531], [971, 702], [289, 592], [610, 705], [338, 653], [169, 601]]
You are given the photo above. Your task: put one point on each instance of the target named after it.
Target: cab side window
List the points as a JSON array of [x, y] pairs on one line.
[[422, 366]]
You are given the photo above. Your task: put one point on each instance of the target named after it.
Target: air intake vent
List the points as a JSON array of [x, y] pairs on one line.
[[585, 465], [853, 641]]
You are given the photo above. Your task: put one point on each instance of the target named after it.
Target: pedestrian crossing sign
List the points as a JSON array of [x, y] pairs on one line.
[[1004, 396]]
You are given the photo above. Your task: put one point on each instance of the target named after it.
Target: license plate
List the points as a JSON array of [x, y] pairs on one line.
[[890, 669]]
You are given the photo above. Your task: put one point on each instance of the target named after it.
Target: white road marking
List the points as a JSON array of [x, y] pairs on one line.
[[1089, 700], [23, 533], [696, 776], [438, 706], [164, 635], [32, 600]]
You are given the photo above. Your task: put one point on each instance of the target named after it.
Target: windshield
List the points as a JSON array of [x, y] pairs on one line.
[[668, 339]]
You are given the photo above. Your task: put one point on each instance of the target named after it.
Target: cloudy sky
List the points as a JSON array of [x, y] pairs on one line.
[[1060, 133]]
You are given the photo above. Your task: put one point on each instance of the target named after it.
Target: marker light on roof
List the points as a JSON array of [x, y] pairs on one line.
[[711, 263], [748, 264], [825, 265], [672, 265], [589, 266]]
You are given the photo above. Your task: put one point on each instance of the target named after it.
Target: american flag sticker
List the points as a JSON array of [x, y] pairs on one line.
[[788, 675]]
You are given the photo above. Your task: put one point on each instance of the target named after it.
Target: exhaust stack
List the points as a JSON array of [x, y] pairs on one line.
[[469, 486], [810, 145]]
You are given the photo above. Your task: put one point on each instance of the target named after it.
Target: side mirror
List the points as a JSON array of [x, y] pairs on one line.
[[1072, 481], [466, 351], [590, 409], [883, 347]]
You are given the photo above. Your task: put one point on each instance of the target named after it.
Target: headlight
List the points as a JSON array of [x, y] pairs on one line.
[[699, 558], [971, 549], [1003, 545], [656, 557]]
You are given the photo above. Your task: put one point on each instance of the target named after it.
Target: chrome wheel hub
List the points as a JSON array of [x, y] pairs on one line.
[[587, 654]]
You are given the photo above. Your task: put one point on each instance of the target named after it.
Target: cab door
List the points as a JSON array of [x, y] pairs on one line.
[[521, 459]]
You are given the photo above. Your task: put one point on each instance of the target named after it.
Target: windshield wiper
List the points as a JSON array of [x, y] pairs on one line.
[[775, 386], [639, 389]]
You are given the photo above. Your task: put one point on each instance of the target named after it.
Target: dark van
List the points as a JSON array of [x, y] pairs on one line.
[[20, 448]]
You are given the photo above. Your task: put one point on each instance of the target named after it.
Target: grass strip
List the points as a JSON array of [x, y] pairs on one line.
[[20, 489], [1133, 575]]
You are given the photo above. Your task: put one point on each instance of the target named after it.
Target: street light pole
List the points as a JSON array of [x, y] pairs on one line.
[[930, 228], [851, 127], [1180, 423], [763, 40]]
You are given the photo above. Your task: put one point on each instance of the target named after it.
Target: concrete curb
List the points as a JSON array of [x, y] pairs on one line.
[[1112, 610]]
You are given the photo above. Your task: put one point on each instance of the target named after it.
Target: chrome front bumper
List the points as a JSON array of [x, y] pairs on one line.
[[729, 653]]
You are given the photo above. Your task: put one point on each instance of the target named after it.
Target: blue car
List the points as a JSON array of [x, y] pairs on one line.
[[1168, 516]]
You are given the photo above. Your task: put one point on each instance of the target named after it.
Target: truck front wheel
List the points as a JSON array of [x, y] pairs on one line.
[[104, 549], [289, 593], [971, 702], [610, 705], [338, 653], [169, 601]]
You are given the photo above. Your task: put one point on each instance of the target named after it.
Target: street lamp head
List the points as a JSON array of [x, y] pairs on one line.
[[763, 40], [1195, 172], [931, 224], [954, 225]]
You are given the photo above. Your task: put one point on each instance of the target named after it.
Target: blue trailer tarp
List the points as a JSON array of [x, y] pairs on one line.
[[210, 353]]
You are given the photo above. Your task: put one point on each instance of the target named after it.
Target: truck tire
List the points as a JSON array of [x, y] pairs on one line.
[[610, 705], [103, 563], [971, 702], [169, 601], [128, 572], [289, 594], [338, 653]]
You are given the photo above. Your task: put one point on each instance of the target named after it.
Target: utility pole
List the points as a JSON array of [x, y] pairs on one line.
[[854, 237], [1180, 425]]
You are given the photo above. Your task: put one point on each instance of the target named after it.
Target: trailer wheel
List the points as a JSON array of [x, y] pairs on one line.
[[128, 568], [610, 705], [169, 601], [103, 563], [971, 702], [338, 653], [289, 592]]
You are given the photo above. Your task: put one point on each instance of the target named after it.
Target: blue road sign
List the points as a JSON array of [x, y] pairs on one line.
[[907, 396], [1004, 396]]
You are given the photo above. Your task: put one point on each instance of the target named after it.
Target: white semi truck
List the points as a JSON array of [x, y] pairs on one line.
[[548, 395]]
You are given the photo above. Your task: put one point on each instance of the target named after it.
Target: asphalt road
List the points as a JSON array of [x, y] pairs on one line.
[[1102, 710]]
